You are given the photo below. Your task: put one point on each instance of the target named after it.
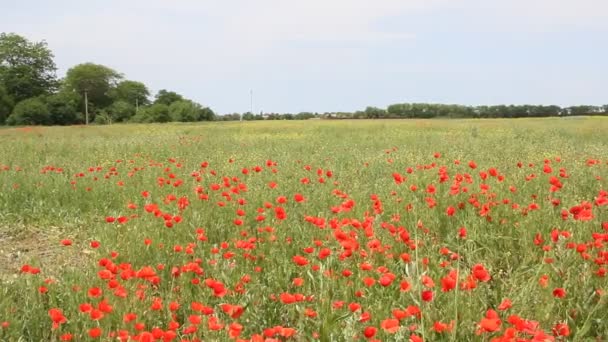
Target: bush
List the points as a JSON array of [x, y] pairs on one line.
[[103, 118], [206, 114], [63, 108], [121, 111], [6, 105], [155, 113], [30, 112], [184, 111]]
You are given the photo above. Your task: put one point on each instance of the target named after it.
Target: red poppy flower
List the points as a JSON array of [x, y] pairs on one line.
[[369, 332], [480, 273], [300, 260], [390, 325], [561, 329], [505, 304], [490, 323], [559, 292], [95, 332], [427, 295], [57, 317]]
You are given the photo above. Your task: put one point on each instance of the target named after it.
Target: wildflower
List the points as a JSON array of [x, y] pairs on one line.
[[57, 317], [490, 323], [390, 325], [505, 304], [559, 293], [95, 332], [369, 332], [480, 273]]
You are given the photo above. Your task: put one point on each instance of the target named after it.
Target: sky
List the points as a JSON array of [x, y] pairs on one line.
[[334, 55]]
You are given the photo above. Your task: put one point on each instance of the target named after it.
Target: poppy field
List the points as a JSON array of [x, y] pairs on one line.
[[387, 230]]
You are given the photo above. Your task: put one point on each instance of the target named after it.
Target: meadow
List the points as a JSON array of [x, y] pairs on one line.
[[387, 230]]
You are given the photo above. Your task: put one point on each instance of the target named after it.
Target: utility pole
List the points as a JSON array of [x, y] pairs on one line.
[[86, 107], [136, 105]]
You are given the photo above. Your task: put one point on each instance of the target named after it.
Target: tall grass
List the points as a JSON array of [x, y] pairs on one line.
[[369, 245]]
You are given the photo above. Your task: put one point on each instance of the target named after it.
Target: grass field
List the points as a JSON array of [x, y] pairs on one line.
[[442, 230]]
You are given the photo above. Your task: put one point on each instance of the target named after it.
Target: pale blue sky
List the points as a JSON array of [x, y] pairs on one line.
[[334, 55]]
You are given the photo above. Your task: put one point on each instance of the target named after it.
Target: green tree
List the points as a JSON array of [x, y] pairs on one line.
[[30, 112], [374, 113], [63, 108], [359, 115], [103, 118], [27, 68], [304, 116], [206, 114], [93, 79], [184, 111], [155, 113], [121, 111], [6, 105], [230, 117], [189, 111], [133, 92], [581, 110], [167, 97]]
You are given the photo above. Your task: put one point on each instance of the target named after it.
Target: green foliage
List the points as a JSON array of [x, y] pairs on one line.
[[97, 80], [154, 113], [304, 116], [167, 97], [121, 111], [6, 105], [103, 118], [132, 92], [430, 110], [584, 110], [230, 117], [248, 116], [30, 112], [185, 111], [189, 111], [374, 113], [359, 115], [63, 108], [206, 114], [27, 71], [274, 116], [27, 68]]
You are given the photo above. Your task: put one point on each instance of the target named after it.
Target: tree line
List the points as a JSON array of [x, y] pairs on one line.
[[32, 94], [432, 110]]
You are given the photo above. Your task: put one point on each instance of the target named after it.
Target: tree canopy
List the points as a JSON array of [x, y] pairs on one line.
[[121, 111], [94, 79], [167, 97], [27, 68], [6, 104], [63, 108], [133, 92], [157, 112], [33, 111]]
